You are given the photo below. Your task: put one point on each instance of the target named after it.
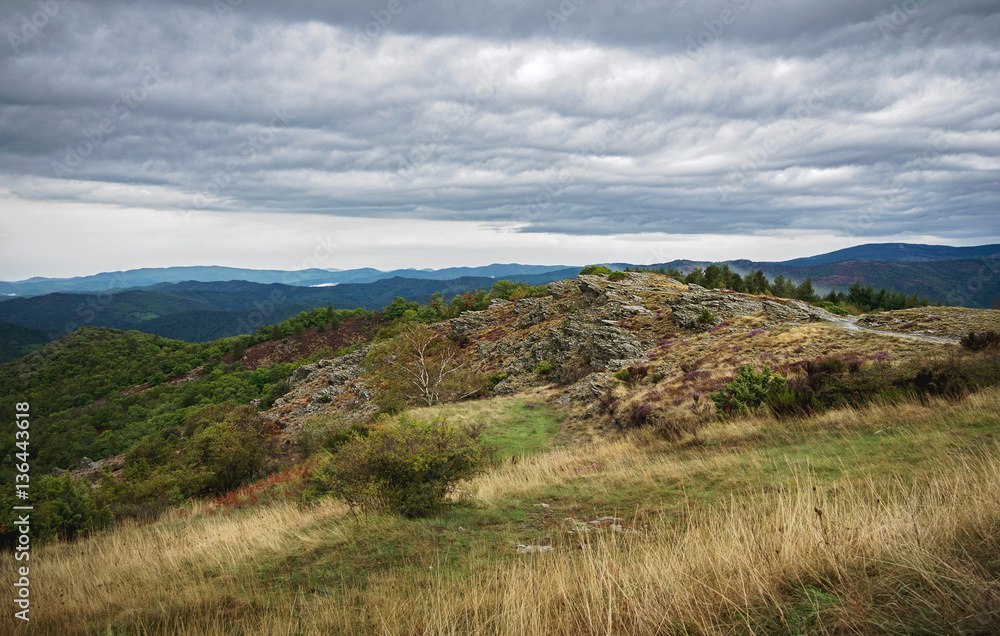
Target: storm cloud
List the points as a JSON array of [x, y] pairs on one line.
[[573, 118]]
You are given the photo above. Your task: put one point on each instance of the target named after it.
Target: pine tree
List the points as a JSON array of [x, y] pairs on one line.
[[805, 291]]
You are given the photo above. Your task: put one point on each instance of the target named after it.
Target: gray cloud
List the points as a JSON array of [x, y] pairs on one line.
[[576, 117]]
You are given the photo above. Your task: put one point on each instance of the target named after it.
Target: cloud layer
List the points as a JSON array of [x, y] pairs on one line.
[[852, 119]]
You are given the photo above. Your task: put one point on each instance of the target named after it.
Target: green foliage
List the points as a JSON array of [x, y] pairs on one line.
[[832, 308], [234, 451], [408, 467], [869, 300], [143, 493], [99, 391], [239, 350], [595, 270], [805, 291], [849, 381], [495, 379], [65, 509], [398, 307], [706, 317], [477, 300], [544, 367], [272, 392], [510, 290], [17, 341], [747, 392], [617, 275], [632, 374], [328, 431]]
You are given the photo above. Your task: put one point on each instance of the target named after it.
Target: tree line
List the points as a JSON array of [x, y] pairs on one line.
[[858, 298]]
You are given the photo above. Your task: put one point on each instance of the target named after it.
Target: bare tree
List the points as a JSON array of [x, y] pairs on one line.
[[420, 366]]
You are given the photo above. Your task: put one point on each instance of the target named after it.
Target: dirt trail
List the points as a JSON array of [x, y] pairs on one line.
[[850, 323]]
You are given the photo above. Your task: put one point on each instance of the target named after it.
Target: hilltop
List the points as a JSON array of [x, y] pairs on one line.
[[629, 491], [569, 345]]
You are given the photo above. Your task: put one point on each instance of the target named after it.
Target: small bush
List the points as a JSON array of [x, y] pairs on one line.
[[408, 467], [595, 270], [272, 392], [833, 308], [544, 367], [748, 391], [706, 317], [846, 381], [495, 379], [235, 451], [617, 275], [329, 432]]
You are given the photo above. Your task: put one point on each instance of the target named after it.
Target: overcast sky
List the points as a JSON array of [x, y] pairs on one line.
[[434, 133]]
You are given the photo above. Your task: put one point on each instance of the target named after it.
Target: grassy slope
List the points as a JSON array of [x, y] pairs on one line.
[[874, 521], [516, 426]]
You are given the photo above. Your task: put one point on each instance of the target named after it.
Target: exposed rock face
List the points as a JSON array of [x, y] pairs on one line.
[[585, 336], [687, 307], [327, 383], [586, 329]]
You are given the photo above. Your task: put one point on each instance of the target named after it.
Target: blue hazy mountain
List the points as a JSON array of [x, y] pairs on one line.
[[146, 277]]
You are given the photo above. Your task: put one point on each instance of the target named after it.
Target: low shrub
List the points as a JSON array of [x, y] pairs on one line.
[[827, 383], [595, 270], [617, 275], [833, 308], [235, 451], [495, 379], [407, 466], [706, 317], [747, 392], [544, 367], [328, 432]]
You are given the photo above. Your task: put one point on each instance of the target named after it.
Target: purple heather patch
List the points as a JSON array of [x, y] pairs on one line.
[[694, 375], [755, 332], [721, 325], [881, 356]]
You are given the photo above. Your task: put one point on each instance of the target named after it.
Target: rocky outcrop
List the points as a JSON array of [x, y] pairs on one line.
[[688, 307]]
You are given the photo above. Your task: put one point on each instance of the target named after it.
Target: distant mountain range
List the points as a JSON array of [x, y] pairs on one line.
[[199, 311], [898, 253], [143, 278], [962, 276], [197, 304]]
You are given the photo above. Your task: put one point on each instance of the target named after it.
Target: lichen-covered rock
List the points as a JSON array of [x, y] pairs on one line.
[[687, 308]]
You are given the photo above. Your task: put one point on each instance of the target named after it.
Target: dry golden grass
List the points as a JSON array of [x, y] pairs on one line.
[[179, 567], [949, 322], [871, 551]]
